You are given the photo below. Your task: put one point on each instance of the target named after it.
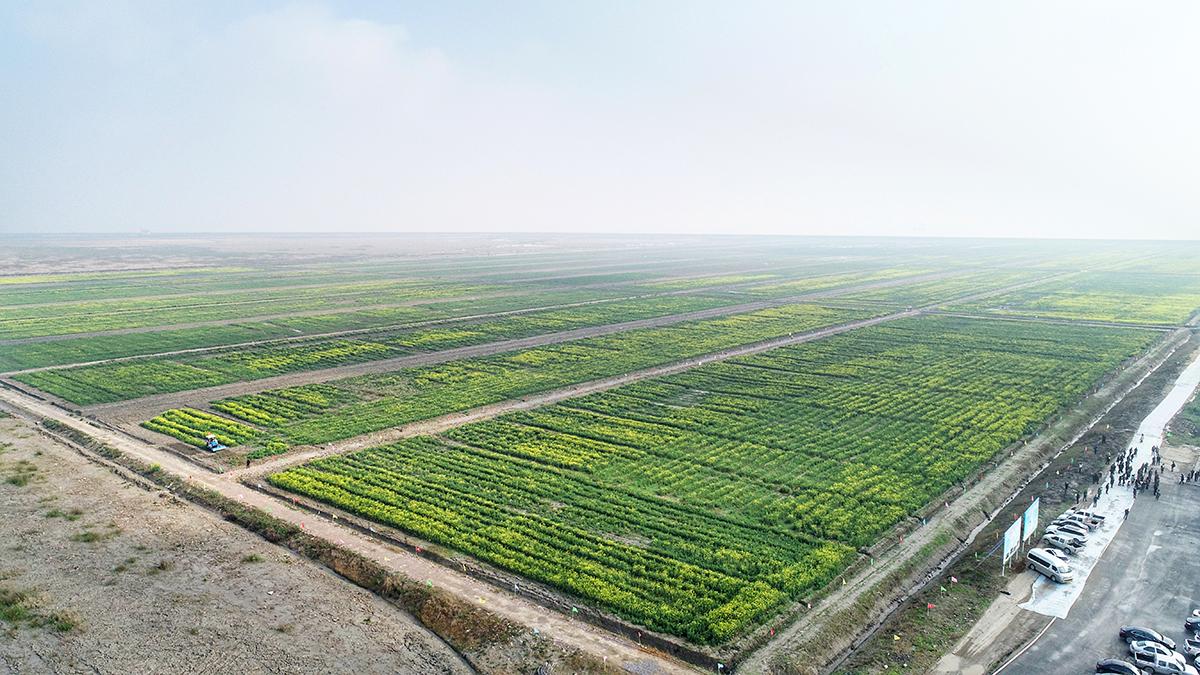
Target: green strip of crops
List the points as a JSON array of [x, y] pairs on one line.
[[125, 380], [1123, 297], [697, 503], [414, 394]]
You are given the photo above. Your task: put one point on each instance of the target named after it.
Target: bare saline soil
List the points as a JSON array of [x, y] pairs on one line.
[[100, 576]]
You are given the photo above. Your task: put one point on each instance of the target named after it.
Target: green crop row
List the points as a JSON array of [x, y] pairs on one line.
[[696, 503], [668, 566], [107, 382], [1123, 297], [420, 393], [193, 427]]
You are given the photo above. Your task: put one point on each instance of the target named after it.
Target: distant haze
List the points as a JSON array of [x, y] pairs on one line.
[[1038, 119]]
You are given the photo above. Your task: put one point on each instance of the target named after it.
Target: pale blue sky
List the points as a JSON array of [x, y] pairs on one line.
[[980, 119]]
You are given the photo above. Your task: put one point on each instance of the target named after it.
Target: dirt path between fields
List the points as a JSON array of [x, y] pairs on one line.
[[357, 308], [553, 625], [332, 284], [160, 586], [445, 422], [307, 337], [149, 406], [585, 637]]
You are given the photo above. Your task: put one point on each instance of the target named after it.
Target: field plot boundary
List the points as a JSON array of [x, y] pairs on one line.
[[499, 603], [963, 519], [428, 427], [533, 291], [441, 423], [128, 409]]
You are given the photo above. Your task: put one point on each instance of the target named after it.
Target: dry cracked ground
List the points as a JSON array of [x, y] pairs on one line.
[[100, 576]]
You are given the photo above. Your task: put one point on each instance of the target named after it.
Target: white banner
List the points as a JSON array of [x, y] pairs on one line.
[[1012, 539], [1031, 519]]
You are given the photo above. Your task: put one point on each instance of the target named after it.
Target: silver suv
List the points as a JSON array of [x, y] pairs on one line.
[[1060, 542]]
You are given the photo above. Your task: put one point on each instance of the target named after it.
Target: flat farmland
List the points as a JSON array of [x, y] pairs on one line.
[[700, 502], [380, 401], [1117, 296], [697, 503]]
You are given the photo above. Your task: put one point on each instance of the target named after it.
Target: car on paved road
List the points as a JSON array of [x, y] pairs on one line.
[[1131, 633], [1118, 667], [1165, 665], [1060, 542]]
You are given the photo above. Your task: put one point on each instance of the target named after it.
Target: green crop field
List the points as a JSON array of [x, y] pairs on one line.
[[415, 394], [1147, 298], [696, 503], [125, 380]]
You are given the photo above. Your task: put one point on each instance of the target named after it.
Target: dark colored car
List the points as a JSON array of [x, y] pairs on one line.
[[1192, 623], [1117, 666], [1131, 633]]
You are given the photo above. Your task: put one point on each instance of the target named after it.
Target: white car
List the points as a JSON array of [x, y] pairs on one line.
[[1069, 531], [1092, 515], [1191, 646], [1087, 523], [1164, 665], [1058, 554], [1151, 648]]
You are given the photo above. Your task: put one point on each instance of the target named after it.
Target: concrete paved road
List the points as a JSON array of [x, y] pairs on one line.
[[1149, 576]]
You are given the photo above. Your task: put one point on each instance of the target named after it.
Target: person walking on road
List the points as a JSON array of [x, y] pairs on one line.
[[1126, 515]]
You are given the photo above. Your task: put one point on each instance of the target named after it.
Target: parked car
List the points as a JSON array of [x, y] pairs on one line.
[[1091, 514], [1165, 665], [1191, 646], [1149, 647], [1059, 554], [1117, 666], [1192, 623], [1083, 520], [1069, 530], [1076, 528], [1044, 562], [1059, 542], [1131, 633]]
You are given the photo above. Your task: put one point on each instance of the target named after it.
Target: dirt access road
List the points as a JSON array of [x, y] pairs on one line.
[[555, 626], [158, 586], [137, 410]]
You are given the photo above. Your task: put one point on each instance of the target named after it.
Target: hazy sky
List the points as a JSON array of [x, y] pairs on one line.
[[1075, 119]]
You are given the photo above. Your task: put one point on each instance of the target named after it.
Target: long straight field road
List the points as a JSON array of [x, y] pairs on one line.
[[553, 625], [557, 626], [136, 410]]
